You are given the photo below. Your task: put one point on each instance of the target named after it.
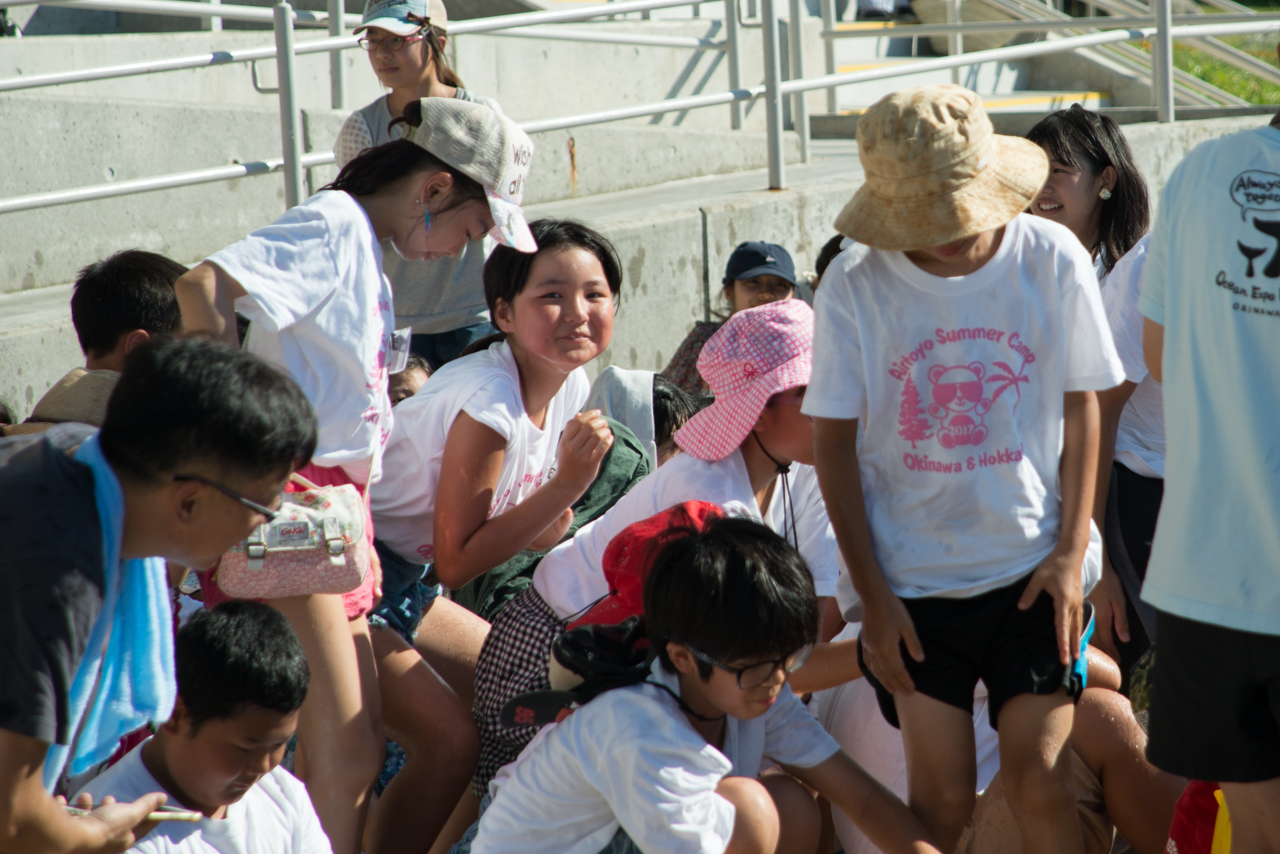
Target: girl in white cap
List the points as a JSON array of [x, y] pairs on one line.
[[748, 453], [443, 302], [968, 342], [322, 310]]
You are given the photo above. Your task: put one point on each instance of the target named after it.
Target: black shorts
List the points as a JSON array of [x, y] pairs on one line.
[[1215, 702], [982, 637]]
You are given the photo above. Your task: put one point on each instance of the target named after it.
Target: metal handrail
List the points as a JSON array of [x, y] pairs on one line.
[[906, 31], [790, 87]]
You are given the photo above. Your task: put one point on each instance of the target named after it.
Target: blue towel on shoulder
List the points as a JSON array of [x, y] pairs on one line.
[[126, 678]]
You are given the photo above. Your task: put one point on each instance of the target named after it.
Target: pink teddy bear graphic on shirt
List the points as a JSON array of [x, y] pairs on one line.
[[958, 403]]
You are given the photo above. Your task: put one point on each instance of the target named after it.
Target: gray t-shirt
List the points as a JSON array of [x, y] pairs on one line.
[[430, 296]]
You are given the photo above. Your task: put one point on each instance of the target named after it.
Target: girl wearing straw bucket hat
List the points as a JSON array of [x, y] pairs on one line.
[[749, 453], [967, 341], [321, 309]]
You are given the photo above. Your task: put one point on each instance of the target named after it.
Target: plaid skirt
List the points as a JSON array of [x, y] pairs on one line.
[[512, 661]]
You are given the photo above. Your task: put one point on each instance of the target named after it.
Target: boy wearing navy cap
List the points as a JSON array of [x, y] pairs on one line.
[[757, 273]]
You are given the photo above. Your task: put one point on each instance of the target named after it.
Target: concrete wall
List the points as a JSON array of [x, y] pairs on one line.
[[73, 142], [531, 78]]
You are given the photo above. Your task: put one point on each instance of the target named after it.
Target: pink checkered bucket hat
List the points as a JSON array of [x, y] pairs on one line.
[[756, 354]]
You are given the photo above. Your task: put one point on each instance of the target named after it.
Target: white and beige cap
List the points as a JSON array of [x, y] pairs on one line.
[[936, 171], [403, 17], [485, 145]]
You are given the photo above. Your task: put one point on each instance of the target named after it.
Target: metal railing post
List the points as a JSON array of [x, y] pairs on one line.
[[799, 109], [215, 24], [290, 115], [955, 41], [732, 36], [1162, 60], [829, 49], [772, 98], [337, 62]]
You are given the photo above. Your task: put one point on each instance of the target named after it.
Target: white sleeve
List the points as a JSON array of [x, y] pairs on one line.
[[793, 736], [309, 836], [494, 406], [1120, 299], [1091, 360], [661, 793], [352, 139], [837, 388], [288, 268]]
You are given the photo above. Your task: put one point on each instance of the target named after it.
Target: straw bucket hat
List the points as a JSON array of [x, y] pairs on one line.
[[936, 171]]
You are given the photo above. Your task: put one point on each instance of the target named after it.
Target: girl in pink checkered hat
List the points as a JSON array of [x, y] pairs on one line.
[[750, 453]]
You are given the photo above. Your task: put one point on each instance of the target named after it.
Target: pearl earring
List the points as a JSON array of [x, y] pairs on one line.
[[1105, 194]]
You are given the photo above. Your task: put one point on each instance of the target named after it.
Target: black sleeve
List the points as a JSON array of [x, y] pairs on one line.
[[47, 611]]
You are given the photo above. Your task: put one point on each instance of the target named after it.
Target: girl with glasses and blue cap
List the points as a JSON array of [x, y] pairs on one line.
[[443, 302]]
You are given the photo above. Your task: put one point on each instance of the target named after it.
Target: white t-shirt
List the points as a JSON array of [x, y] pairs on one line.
[[960, 385], [630, 759], [486, 386], [273, 817], [571, 576], [1216, 557], [322, 311], [1140, 438]]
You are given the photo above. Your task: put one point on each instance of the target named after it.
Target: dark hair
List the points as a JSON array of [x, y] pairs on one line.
[[417, 363], [507, 271], [130, 290], [6, 414], [374, 169], [826, 255], [431, 36], [1089, 141], [483, 343], [734, 591], [181, 401], [239, 655], [672, 409]]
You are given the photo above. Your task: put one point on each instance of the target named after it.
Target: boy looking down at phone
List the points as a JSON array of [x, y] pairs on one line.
[[242, 676]]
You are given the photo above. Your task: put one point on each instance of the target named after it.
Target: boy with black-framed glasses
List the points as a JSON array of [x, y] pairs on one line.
[[673, 763]]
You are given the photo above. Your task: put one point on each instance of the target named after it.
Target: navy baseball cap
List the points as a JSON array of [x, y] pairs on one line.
[[755, 258]]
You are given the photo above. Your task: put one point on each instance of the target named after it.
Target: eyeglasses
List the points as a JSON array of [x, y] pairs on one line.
[[755, 675], [232, 494], [393, 43]]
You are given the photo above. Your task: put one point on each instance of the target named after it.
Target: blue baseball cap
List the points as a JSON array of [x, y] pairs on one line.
[[403, 17], [756, 258]]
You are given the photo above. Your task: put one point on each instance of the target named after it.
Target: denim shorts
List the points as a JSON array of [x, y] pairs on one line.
[[408, 589]]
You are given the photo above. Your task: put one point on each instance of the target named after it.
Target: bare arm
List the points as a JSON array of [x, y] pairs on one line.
[[467, 542], [207, 295], [33, 822], [1153, 347], [886, 622], [877, 812], [1108, 597], [829, 665], [1059, 573]]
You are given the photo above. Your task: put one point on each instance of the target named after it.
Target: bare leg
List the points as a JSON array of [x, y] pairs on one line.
[[942, 768], [340, 736], [449, 638], [1139, 797], [1255, 818], [439, 737], [799, 821], [755, 820], [1036, 766]]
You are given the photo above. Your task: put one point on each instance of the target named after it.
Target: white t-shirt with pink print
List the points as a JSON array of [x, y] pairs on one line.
[[486, 386], [959, 383], [321, 310]]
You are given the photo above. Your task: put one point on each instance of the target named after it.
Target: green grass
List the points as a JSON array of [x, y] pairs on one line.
[[1227, 77]]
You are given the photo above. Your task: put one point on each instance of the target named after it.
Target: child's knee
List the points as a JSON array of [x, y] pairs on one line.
[[799, 819], [756, 824]]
